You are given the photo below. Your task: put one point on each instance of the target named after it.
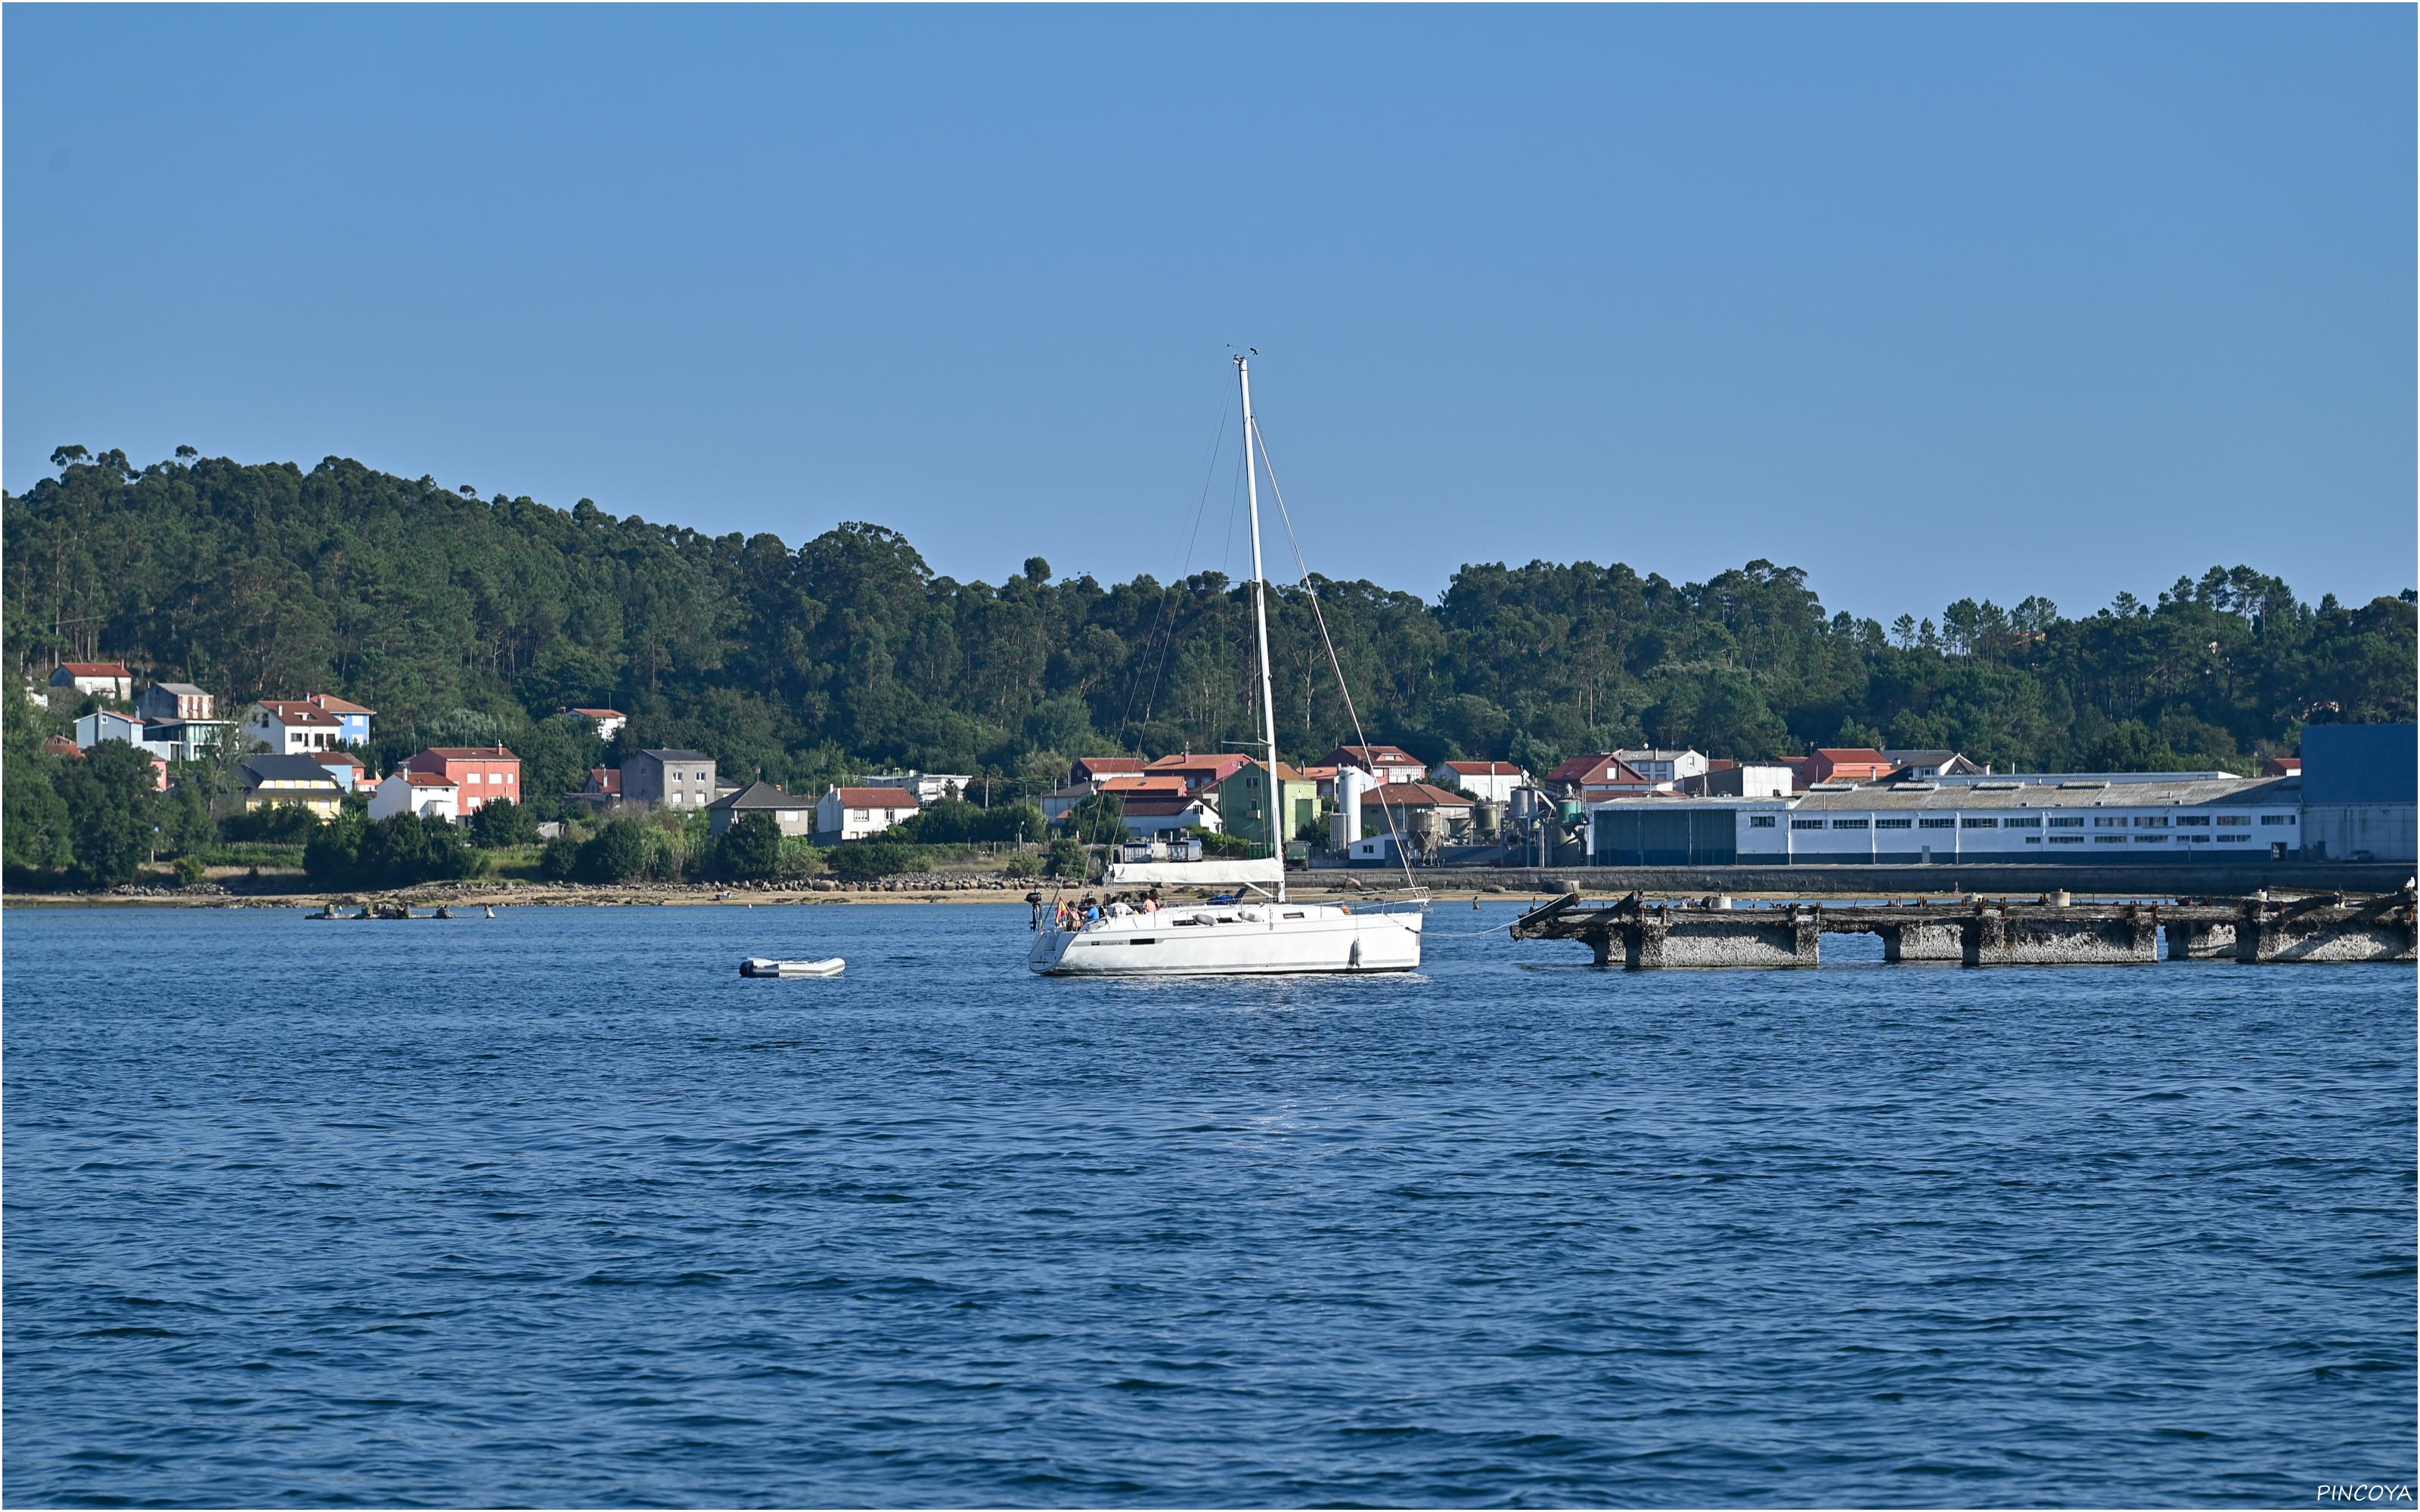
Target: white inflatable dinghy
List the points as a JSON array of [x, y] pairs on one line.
[[758, 967]]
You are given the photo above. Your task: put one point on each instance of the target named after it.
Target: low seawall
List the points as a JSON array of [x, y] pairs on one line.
[[2165, 881]]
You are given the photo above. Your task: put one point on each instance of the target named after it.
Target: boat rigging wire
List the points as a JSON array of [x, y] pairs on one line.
[[1168, 595], [1385, 808]]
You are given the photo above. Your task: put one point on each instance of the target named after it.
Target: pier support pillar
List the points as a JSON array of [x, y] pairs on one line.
[[2201, 942], [2323, 936], [1996, 939]]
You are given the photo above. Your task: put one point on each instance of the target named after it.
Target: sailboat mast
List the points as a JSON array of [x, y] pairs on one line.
[[1260, 624]]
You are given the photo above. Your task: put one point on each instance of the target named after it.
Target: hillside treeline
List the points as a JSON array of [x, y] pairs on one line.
[[460, 618]]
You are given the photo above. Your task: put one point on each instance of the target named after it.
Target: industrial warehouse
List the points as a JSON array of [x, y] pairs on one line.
[[2352, 802]]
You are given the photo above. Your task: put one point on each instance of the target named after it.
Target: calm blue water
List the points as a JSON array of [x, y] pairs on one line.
[[557, 1209]]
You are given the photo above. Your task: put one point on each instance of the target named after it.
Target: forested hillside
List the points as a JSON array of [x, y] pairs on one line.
[[458, 617]]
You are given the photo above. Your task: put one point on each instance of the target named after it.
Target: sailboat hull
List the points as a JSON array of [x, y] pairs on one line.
[[1270, 939]]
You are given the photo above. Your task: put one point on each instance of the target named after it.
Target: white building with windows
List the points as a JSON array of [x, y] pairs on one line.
[[928, 787], [292, 727], [1488, 782], [2097, 820], [1659, 765], [426, 794], [853, 813]]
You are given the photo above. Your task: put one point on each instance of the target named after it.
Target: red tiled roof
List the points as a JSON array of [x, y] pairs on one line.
[[1136, 783], [62, 746], [1414, 795], [1483, 768], [428, 779], [334, 704], [1102, 765], [1161, 808], [296, 712], [602, 714], [1852, 755], [470, 753], [877, 798], [604, 779], [1601, 766], [95, 669]]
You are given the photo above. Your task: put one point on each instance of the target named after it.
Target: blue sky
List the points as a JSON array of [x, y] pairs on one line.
[[1932, 302]]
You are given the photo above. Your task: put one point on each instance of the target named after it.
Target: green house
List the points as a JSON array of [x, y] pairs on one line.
[[1244, 805]]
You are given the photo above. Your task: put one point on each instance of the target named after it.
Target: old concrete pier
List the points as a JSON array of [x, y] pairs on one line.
[[1643, 936]]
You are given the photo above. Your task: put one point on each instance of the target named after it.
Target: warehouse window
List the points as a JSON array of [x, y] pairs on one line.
[[1942, 822], [2068, 840], [2226, 819], [2034, 823], [2276, 819], [2224, 840], [2188, 820], [1892, 823], [2067, 821], [2150, 821], [2108, 839], [1980, 823], [1760, 821], [1806, 823], [2151, 839], [1848, 824]]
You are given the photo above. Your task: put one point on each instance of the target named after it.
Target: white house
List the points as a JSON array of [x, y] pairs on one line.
[[291, 728], [74, 679], [1148, 817], [853, 813], [1665, 766], [929, 787], [606, 722], [422, 793], [1489, 782], [1388, 764]]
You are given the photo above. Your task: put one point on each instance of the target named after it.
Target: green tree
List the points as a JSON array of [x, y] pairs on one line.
[[501, 821], [867, 860], [751, 848], [619, 852], [558, 859], [111, 807]]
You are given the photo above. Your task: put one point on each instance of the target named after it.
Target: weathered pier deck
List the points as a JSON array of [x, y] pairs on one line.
[[1982, 932]]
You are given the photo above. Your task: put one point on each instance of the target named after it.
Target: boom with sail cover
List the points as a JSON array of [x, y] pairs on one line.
[[1270, 872]]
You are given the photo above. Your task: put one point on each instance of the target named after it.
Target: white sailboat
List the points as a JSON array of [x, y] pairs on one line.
[[1260, 930]]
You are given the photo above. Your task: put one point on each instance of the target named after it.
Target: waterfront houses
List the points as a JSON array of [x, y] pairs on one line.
[[1489, 782], [1200, 774], [791, 814], [352, 719], [1388, 764], [292, 727], [275, 780], [856, 813], [1846, 763], [72, 681], [1660, 765], [175, 701], [106, 724], [1245, 804], [681, 780], [429, 794], [606, 722], [482, 774], [1153, 817], [349, 770], [1600, 775]]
